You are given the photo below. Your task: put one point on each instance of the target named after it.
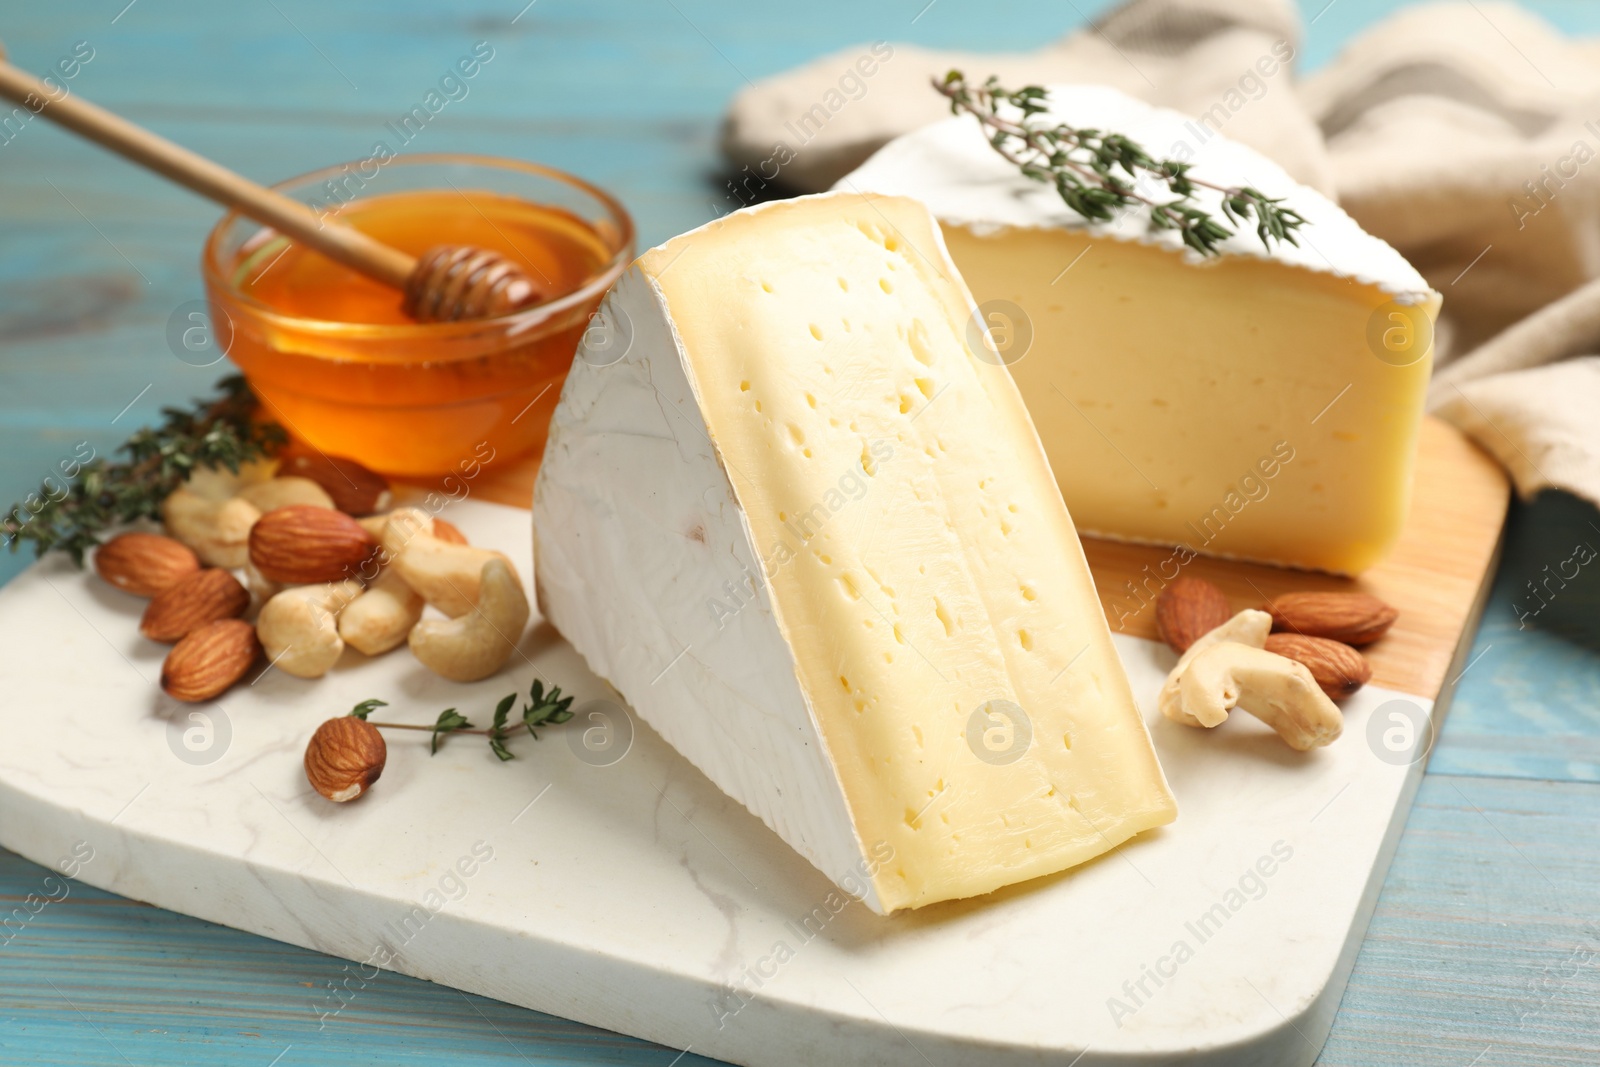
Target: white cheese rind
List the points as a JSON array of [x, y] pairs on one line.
[[1175, 395], [636, 530], [951, 167], [924, 635]]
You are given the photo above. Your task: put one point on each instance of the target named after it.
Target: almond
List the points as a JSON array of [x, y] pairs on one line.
[[1188, 609], [203, 597], [1339, 669], [1354, 618], [448, 531], [144, 563], [302, 545], [209, 659], [355, 489], [345, 756]]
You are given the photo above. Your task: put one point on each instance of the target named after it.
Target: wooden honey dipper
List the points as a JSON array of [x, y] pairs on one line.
[[446, 284]]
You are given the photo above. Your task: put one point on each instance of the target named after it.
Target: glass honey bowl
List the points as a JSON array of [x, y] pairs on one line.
[[336, 362]]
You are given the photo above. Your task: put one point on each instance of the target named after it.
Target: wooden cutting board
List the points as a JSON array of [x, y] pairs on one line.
[[1436, 576]]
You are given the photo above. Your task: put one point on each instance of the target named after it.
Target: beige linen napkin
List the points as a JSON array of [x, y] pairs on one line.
[[1466, 134]]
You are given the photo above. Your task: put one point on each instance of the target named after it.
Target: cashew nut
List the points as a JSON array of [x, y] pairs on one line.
[[380, 618], [262, 588], [374, 525], [206, 514], [445, 574], [299, 627], [477, 644], [281, 492], [1275, 689], [217, 529], [396, 529], [1249, 627], [220, 483]]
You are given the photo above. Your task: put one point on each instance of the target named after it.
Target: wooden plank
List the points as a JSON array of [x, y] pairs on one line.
[[1485, 947], [1526, 709]]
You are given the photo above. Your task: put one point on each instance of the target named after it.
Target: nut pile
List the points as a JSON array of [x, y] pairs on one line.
[[321, 564], [1285, 663]]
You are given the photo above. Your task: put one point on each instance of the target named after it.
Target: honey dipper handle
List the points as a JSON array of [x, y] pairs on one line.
[[290, 217]]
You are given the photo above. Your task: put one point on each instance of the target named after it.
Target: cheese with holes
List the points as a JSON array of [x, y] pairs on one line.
[[815, 543], [1261, 404]]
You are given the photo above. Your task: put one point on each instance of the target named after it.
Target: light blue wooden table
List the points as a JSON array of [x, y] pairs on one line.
[[1485, 949]]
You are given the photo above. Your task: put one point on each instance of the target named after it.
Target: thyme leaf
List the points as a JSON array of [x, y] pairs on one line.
[[105, 493], [545, 709], [1098, 173]]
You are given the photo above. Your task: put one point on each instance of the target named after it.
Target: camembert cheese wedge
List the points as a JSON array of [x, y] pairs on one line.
[[1261, 404], [815, 543]]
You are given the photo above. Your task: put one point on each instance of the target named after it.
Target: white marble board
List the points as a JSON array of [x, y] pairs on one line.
[[617, 886]]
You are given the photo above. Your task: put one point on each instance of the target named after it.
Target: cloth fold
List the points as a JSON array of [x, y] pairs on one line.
[[1230, 58], [1466, 134]]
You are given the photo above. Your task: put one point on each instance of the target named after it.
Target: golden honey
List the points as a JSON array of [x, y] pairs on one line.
[[336, 362]]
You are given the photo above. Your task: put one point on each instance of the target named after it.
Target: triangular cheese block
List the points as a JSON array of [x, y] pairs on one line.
[[1264, 403], [812, 538]]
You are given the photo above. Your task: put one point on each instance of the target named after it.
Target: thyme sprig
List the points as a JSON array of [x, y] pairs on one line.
[[69, 517], [544, 709], [1097, 172]]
